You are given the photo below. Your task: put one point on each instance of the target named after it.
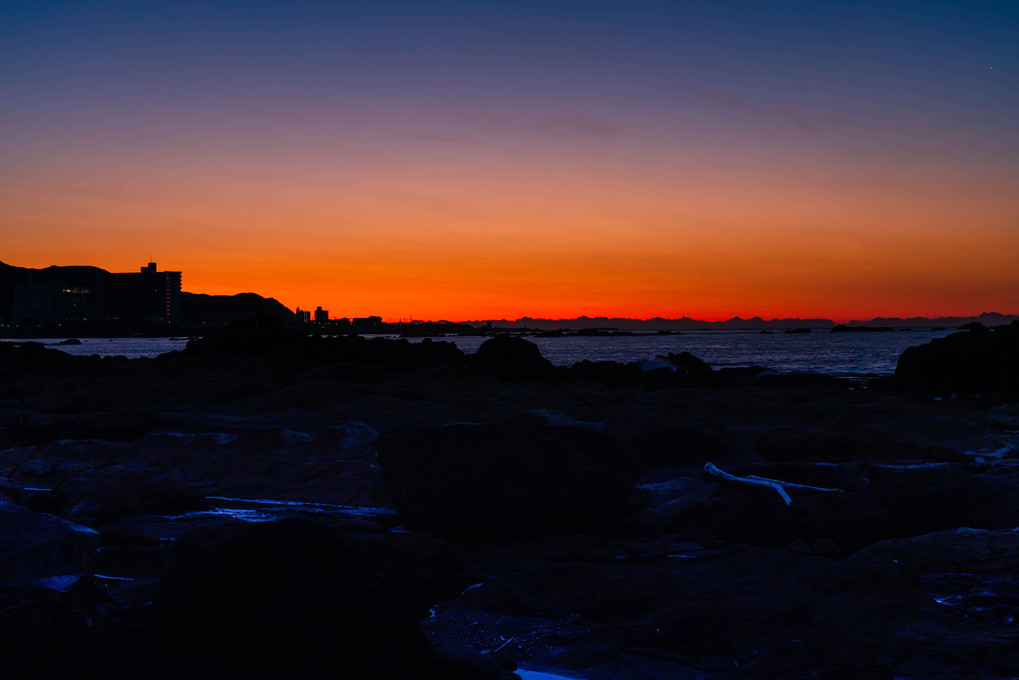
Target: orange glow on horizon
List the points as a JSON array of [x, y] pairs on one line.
[[477, 236]]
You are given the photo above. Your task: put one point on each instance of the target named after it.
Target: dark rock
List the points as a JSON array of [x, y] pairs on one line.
[[770, 613], [85, 422], [293, 350], [922, 500], [673, 513], [36, 546], [434, 569], [825, 547], [105, 495], [611, 374], [687, 364], [757, 515], [511, 358], [791, 444], [687, 445], [35, 358], [36, 628], [744, 372], [977, 359], [512, 476], [284, 595], [10, 490], [132, 561], [125, 534]]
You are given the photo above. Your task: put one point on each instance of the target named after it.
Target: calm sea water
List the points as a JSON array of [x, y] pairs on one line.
[[841, 354]]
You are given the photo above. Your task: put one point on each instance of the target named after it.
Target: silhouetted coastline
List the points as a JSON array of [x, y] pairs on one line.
[[197, 313]]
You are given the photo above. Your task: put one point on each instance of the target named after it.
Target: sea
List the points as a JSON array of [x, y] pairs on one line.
[[849, 355]]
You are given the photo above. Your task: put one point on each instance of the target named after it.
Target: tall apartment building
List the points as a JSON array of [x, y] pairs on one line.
[[150, 295]]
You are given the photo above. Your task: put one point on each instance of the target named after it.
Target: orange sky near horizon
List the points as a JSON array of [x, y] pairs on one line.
[[578, 242], [827, 166]]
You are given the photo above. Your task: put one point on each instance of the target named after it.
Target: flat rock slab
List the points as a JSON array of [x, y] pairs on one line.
[[36, 547]]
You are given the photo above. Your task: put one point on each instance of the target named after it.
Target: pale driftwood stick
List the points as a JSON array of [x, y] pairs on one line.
[[712, 470], [793, 485]]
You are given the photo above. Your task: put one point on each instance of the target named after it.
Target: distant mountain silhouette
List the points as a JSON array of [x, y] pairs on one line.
[[216, 310], [987, 319], [657, 323], [737, 323]]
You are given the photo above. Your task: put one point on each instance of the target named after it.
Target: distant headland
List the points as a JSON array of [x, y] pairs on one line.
[[90, 301]]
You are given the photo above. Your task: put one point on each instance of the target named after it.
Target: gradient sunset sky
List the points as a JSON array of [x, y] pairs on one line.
[[483, 159]]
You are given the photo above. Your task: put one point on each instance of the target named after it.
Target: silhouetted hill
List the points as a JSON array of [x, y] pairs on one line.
[[9, 277], [216, 310]]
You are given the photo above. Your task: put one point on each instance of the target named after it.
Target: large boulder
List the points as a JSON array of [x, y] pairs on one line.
[[980, 358], [37, 548], [513, 476], [511, 358], [757, 515], [688, 365]]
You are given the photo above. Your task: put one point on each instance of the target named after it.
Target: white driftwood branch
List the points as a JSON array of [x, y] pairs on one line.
[[793, 485], [712, 470], [775, 484]]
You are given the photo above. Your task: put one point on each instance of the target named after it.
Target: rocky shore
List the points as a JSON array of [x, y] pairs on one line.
[[265, 505]]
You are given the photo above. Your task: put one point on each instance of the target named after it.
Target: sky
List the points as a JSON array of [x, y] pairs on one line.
[[550, 158]]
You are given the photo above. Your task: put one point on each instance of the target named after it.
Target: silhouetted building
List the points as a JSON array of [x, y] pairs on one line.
[[78, 294], [40, 302], [150, 295], [303, 315], [321, 315]]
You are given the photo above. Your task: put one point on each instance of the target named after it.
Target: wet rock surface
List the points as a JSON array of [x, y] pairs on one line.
[[268, 505]]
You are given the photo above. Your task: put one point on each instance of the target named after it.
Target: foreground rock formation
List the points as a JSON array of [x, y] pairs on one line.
[[269, 505]]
